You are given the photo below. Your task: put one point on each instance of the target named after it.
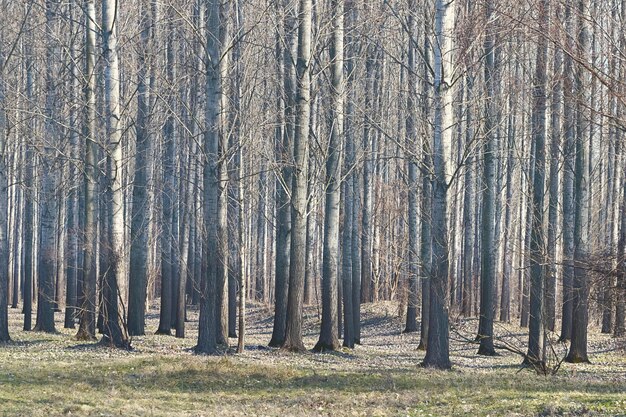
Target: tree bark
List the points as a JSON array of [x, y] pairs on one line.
[[330, 262], [580, 288], [115, 333], [437, 350], [536, 352], [297, 263], [488, 234], [87, 328]]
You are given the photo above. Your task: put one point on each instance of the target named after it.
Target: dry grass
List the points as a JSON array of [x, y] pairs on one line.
[[48, 375]]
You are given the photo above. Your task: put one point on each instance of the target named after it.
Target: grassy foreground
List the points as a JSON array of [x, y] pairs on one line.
[[49, 375]]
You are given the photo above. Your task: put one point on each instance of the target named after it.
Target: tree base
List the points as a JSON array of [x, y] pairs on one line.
[[421, 346], [294, 348], [321, 347], [198, 350], [486, 351], [49, 331], [409, 330], [575, 358], [84, 336], [444, 366], [122, 344], [164, 332], [275, 343]]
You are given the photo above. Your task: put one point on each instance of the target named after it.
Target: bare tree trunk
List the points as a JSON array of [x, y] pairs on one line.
[[221, 312], [535, 353], [207, 331], [115, 333], [87, 329], [297, 264], [411, 143], [168, 195], [328, 334], [437, 350], [286, 109], [580, 289], [138, 277], [4, 201], [367, 229], [47, 205], [555, 153], [488, 245], [569, 150], [468, 208], [72, 204]]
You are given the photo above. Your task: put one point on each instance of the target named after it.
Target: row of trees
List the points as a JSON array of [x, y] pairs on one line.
[[462, 158]]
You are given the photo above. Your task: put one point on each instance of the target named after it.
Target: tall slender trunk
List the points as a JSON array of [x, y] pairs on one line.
[[72, 203], [48, 201], [328, 334], [207, 327], [537, 245], [555, 153], [168, 195], [411, 143], [87, 328], [4, 207], [580, 288], [569, 150], [437, 350], [221, 311], [488, 245], [297, 263], [284, 146], [138, 276], [115, 332]]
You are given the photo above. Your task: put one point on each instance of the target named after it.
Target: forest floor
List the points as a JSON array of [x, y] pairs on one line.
[[49, 375]]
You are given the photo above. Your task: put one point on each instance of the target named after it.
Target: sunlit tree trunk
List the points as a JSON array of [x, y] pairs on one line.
[[48, 202], [284, 145], [140, 209], [297, 263], [580, 288], [207, 332], [114, 322], [535, 353], [411, 143], [437, 350], [328, 334], [87, 329]]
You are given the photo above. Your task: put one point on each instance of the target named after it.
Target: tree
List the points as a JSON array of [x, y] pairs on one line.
[[328, 334], [411, 134], [4, 247], [168, 197], [578, 346], [114, 323], [535, 353], [284, 153], [87, 327], [488, 220], [568, 179], [47, 205], [137, 285], [207, 330], [438, 350], [297, 256]]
